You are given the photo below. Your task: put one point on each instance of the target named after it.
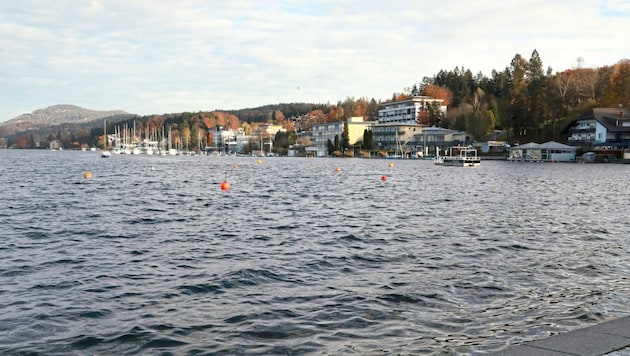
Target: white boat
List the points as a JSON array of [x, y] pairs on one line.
[[105, 153], [459, 156]]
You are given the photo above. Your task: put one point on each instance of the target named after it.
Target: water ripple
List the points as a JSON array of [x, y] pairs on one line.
[[297, 259]]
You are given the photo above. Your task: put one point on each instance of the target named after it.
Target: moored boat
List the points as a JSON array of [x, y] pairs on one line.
[[459, 156], [105, 153]]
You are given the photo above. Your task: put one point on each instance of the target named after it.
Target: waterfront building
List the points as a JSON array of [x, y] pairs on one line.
[[261, 140], [547, 152], [417, 140], [396, 136], [322, 133], [601, 128], [223, 140]]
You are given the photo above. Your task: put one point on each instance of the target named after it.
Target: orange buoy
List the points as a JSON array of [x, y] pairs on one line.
[[391, 165], [87, 175], [383, 178], [337, 169], [235, 166], [225, 185]]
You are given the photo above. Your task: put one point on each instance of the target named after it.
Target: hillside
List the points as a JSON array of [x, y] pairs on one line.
[[52, 116]]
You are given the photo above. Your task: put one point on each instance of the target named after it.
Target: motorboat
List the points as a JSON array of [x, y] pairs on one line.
[[459, 156]]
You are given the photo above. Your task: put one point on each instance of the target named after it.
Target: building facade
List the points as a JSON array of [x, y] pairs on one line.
[[547, 152], [407, 111], [322, 133], [416, 140], [396, 136], [603, 127]]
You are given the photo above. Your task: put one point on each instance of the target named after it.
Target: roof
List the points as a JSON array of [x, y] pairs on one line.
[[414, 99], [608, 117], [526, 146], [555, 145], [550, 145]]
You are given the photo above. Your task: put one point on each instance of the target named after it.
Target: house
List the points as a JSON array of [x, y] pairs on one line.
[[547, 152], [603, 127]]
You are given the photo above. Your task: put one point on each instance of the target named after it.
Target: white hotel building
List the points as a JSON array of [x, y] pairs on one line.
[[406, 111]]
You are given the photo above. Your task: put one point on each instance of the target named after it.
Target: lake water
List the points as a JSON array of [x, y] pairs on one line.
[[300, 258]]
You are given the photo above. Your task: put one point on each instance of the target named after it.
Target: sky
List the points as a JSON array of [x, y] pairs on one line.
[[161, 56]]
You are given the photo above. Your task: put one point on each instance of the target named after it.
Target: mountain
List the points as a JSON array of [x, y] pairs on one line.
[[54, 115]]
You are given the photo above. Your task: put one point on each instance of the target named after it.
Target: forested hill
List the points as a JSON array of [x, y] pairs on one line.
[[264, 113], [54, 115]]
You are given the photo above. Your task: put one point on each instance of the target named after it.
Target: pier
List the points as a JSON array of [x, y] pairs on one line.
[[610, 338]]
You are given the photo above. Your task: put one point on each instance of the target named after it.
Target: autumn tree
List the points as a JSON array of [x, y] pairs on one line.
[[438, 92], [247, 129], [209, 122], [185, 135], [289, 126], [361, 108], [278, 117], [313, 118], [422, 118], [336, 113], [621, 83]]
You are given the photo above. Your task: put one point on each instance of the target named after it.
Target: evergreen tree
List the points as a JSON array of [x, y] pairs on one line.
[[367, 140], [372, 110], [331, 147], [281, 143], [194, 136]]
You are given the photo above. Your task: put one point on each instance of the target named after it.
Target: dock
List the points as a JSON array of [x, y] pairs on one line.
[[610, 338]]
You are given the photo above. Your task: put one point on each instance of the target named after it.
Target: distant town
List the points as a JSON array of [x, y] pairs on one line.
[[575, 114]]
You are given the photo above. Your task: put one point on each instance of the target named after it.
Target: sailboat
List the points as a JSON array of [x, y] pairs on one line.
[[399, 151], [105, 153]]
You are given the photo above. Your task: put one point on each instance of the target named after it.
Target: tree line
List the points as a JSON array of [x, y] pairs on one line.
[[525, 101]]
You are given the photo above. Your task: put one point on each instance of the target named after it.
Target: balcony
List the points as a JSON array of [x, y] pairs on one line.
[[577, 130]]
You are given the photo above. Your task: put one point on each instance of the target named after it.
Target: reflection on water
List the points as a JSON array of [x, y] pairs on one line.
[[298, 258]]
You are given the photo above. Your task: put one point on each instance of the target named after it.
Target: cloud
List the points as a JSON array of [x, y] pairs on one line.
[[157, 56]]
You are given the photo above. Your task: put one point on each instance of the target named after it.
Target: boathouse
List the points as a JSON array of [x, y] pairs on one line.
[[547, 152]]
